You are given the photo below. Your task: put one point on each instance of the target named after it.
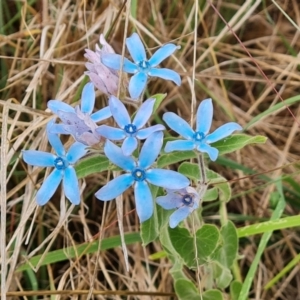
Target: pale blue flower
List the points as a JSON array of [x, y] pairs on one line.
[[199, 139], [80, 122], [142, 67], [139, 174], [185, 200], [62, 163], [129, 131]]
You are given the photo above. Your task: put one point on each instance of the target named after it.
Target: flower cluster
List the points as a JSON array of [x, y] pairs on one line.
[[141, 145]]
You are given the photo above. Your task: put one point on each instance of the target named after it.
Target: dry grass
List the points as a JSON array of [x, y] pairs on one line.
[[42, 59]]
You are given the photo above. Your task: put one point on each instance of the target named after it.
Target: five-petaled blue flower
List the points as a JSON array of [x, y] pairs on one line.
[[199, 139], [142, 67], [63, 168], [129, 130], [140, 174], [185, 200], [79, 122]]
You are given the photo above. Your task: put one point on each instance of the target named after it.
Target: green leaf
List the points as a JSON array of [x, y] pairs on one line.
[[227, 252], [183, 243], [236, 142], [91, 165], [207, 238], [212, 295], [72, 252], [186, 290], [190, 170], [158, 100], [222, 275], [174, 157], [235, 288], [211, 195]]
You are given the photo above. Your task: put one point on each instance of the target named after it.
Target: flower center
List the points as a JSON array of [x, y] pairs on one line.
[[144, 66], [130, 129], [60, 163], [187, 200], [199, 136], [139, 175]]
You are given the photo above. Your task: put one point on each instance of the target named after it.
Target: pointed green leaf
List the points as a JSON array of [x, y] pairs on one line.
[[211, 195], [236, 142], [167, 159], [158, 100], [91, 165]]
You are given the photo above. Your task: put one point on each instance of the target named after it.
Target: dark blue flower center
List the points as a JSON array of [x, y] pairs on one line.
[[60, 163], [187, 200], [144, 66], [199, 136], [139, 174], [130, 129]]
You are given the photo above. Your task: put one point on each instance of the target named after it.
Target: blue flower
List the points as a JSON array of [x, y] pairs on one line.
[[185, 200], [142, 67], [199, 139], [63, 168], [139, 174], [79, 121], [129, 130]]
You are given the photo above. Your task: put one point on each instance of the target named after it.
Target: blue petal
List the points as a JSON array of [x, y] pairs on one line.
[[119, 112], [111, 133], [55, 141], [151, 149], [88, 98], [115, 154], [204, 116], [55, 106], [38, 158], [180, 145], [102, 114], [166, 74], [137, 84], [58, 129], [136, 48], [49, 187], [179, 125], [223, 132], [113, 61], [143, 200], [161, 54], [167, 179], [170, 201], [71, 187], [129, 145], [144, 113], [179, 215], [146, 132], [211, 151], [115, 187], [76, 151]]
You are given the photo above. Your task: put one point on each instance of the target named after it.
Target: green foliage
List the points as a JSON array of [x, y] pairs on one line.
[[91, 165], [237, 142]]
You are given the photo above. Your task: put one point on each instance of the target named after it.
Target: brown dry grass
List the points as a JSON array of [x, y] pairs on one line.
[[43, 55]]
